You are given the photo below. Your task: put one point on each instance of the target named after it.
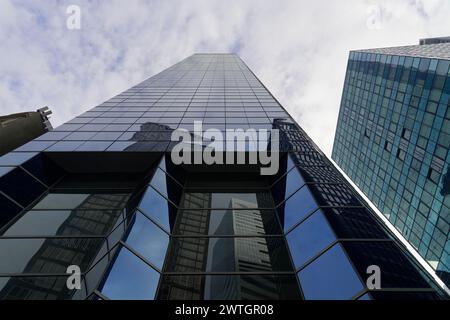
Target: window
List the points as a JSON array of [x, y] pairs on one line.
[[330, 277], [130, 279], [309, 238]]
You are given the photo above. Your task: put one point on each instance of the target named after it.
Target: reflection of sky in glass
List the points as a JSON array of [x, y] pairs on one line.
[[309, 238], [159, 181], [330, 277], [155, 206], [130, 279], [297, 207], [147, 239]]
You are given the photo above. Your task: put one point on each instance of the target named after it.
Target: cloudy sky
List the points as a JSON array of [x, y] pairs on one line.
[[298, 49]]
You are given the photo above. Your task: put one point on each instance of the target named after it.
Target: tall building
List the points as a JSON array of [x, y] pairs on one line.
[[20, 128], [393, 141], [102, 192]]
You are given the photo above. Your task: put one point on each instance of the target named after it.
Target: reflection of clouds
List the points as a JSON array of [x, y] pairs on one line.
[[148, 240]]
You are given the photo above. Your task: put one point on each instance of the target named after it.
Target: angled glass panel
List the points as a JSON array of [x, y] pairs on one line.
[[296, 208], [330, 277], [309, 238], [130, 279], [397, 271], [287, 185], [21, 187], [156, 207], [8, 210], [148, 240]]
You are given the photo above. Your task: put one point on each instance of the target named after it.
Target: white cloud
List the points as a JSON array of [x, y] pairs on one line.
[[298, 49]]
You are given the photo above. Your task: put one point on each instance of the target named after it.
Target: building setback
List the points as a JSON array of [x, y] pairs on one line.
[[393, 140], [102, 193]]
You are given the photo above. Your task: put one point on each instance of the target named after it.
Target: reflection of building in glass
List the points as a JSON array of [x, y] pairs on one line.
[[54, 255]]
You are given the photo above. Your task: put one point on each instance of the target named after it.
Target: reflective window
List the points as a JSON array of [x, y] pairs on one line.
[[16, 158], [147, 239], [229, 287], [130, 279], [13, 185], [287, 185], [296, 208], [9, 210], [156, 207], [228, 255], [309, 238], [47, 256], [330, 277], [63, 223]]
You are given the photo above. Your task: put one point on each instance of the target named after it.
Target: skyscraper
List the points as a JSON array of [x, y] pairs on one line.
[[103, 193], [393, 140]]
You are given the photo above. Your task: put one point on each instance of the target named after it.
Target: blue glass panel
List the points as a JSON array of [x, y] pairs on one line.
[[159, 181], [309, 238], [156, 207], [16, 158], [287, 185], [330, 277], [130, 279], [296, 208], [149, 240]]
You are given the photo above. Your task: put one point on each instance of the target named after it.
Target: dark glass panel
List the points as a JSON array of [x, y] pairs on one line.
[[228, 255], [229, 287], [354, 223], [130, 279], [47, 256], [64, 223], [35, 288], [407, 296], [330, 277], [8, 210], [44, 169], [396, 270], [21, 187]]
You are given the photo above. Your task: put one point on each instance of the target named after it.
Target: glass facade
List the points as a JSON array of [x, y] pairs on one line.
[[393, 141], [102, 193]]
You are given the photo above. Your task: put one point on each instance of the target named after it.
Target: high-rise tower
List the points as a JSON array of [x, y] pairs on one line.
[[101, 192], [393, 140]]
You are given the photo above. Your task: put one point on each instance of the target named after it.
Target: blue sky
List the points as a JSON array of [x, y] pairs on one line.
[[297, 48]]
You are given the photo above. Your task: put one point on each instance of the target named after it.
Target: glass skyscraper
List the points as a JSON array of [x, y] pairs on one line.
[[393, 140], [101, 192]]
